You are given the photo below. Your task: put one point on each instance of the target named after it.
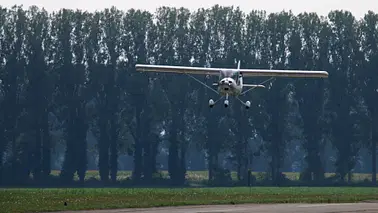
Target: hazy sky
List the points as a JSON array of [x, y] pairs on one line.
[[357, 7]]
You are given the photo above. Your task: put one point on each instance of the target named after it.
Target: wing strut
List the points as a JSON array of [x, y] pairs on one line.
[[243, 93], [212, 89]]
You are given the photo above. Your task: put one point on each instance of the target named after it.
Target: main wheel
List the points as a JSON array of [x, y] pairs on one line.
[[211, 103], [247, 104]]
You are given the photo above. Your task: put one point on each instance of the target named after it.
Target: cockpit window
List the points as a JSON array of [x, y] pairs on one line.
[[229, 74]]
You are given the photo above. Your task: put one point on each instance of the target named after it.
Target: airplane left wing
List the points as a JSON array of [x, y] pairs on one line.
[[283, 73], [177, 69]]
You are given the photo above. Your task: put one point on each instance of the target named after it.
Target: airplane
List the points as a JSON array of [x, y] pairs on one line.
[[230, 81]]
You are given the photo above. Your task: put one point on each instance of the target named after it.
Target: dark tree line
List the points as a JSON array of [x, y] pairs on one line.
[[67, 74]]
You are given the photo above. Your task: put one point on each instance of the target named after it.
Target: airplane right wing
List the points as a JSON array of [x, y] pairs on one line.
[[283, 73]]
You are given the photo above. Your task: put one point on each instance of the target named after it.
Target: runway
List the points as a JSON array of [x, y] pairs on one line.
[[252, 208]]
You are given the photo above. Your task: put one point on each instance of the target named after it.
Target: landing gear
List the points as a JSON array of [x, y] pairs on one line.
[[247, 104], [211, 103], [226, 103]]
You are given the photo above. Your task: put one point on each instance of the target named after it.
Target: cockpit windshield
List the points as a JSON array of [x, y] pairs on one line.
[[229, 74]]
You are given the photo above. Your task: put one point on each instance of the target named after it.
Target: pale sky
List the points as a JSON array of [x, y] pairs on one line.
[[322, 7]]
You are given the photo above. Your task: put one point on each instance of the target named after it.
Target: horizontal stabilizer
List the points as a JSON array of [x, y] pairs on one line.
[[254, 85]]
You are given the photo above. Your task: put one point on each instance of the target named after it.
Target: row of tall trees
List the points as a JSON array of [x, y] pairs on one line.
[[69, 73]]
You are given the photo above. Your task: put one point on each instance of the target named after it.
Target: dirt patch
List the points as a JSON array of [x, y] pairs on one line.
[[369, 201]]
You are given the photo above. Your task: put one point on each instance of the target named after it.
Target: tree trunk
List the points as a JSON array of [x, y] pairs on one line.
[[113, 151], [103, 163], [138, 146], [374, 139], [173, 158], [46, 149]]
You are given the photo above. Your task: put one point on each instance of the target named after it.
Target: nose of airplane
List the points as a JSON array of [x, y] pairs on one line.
[[226, 81]]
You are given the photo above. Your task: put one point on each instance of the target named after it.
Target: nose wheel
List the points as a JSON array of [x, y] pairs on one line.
[[226, 103]]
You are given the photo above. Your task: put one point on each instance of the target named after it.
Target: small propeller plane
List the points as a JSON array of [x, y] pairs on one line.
[[230, 81]]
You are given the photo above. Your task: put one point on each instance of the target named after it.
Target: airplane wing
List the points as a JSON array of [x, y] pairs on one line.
[[177, 69], [283, 73], [244, 72]]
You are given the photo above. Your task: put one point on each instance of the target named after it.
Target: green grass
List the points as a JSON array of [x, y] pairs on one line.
[[42, 200], [38, 200]]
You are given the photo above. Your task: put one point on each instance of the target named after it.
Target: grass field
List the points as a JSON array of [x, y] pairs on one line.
[[38, 200]]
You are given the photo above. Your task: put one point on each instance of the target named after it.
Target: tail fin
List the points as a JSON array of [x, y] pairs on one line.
[[240, 78]]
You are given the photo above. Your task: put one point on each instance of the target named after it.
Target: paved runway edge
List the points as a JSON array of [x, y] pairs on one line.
[[366, 207]]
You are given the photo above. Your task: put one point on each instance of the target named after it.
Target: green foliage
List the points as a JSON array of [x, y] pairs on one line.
[[221, 177], [70, 75]]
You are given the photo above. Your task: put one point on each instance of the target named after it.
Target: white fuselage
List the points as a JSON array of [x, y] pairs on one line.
[[230, 84], [229, 87]]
